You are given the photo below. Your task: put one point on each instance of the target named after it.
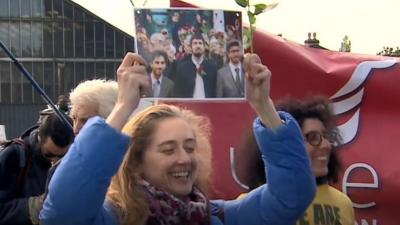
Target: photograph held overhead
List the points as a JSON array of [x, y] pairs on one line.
[[191, 53]]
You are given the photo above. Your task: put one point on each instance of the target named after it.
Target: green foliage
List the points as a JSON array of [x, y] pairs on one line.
[[259, 8], [390, 51], [252, 17], [242, 3]]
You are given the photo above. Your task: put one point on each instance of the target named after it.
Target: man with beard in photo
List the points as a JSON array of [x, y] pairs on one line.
[[195, 75], [161, 86]]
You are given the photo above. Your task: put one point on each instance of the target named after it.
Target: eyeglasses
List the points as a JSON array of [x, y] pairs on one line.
[[314, 138]]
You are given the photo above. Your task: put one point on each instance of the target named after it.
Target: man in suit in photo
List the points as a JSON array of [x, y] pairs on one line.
[[230, 78], [195, 76], [161, 86]]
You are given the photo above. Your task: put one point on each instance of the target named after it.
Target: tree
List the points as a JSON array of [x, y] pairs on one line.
[[390, 51], [345, 46]]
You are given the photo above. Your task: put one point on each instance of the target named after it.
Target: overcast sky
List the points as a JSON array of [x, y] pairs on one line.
[[370, 24]]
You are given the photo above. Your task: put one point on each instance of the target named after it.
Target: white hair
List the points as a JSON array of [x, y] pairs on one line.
[[101, 93]]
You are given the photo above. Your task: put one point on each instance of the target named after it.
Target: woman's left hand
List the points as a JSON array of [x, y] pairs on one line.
[[258, 78]]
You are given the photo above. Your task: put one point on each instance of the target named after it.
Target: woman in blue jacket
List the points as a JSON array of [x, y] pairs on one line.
[[161, 169]]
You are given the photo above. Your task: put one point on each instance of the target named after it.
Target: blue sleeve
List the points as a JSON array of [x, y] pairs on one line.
[[79, 185], [291, 184]]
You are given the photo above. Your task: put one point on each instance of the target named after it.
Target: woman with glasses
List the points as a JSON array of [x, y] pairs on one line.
[[322, 138]]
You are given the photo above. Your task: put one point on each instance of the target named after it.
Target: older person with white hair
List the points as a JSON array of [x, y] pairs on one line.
[[92, 98]]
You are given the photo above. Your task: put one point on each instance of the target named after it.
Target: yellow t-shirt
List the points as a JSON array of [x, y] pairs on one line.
[[329, 207]]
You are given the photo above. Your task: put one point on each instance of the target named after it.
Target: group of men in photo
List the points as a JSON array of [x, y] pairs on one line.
[[196, 76]]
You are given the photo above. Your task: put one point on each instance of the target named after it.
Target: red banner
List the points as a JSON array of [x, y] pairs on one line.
[[366, 96]]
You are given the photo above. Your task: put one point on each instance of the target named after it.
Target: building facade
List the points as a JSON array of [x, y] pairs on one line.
[[61, 44]]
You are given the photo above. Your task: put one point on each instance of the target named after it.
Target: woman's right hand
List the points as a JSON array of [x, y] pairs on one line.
[[132, 78]]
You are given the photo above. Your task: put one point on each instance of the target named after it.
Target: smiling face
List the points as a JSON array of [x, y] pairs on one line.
[[170, 161], [319, 155]]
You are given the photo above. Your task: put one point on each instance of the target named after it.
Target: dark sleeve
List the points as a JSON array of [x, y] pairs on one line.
[[170, 93], [211, 80], [219, 84], [171, 70], [180, 81], [13, 210], [50, 174], [215, 69]]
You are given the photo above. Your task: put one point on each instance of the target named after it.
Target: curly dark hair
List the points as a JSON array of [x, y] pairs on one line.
[[311, 107], [158, 53], [317, 107]]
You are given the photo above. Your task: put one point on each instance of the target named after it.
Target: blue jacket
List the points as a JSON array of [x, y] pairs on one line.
[[78, 188]]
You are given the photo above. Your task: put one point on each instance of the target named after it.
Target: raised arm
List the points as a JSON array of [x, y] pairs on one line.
[[258, 87], [132, 78], [291, 185], [79, 185]]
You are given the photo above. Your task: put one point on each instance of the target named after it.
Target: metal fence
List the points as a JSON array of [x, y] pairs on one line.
[[17, 118]]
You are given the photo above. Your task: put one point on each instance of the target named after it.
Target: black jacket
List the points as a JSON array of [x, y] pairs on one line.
[[14, 204], [185, 78]]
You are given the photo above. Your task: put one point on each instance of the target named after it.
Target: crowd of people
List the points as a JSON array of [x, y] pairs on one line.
[[154, 167], [196, 55]]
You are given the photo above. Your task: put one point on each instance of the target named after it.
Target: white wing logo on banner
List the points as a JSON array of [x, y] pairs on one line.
[[349, 129], [233, 169]]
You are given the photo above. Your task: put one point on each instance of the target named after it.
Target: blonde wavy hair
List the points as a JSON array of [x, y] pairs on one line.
[[130, 202]]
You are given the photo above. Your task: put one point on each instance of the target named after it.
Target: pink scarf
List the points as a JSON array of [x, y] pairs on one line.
[[166, 209]]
